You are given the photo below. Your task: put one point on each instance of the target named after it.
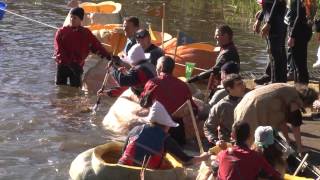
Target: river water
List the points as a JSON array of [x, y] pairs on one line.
[[42, 127]]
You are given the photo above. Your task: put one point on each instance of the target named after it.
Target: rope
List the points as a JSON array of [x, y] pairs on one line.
[[53, 27]]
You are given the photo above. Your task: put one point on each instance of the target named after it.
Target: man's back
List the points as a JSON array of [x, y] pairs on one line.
[[170, 91], [242, 163]]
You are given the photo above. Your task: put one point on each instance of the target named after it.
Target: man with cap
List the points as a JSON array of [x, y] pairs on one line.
[[217, 127], [153, 51], [136, 77], [72, 45], [131, 25], [170, 91], [152, 141]]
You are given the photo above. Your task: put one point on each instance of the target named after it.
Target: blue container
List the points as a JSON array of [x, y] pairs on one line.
[[2, 8]]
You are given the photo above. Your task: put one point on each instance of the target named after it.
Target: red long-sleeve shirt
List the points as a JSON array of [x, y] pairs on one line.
[[73, 44], [169, 90], [242, 163]]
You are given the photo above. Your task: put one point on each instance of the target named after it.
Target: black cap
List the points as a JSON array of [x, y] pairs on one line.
[[141, 33], [230, 68], [78, 11]]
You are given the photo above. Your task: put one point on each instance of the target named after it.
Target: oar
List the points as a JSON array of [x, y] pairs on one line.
[[292, 152], [105, 80], [195, 127], [178, 113], [144, 166]]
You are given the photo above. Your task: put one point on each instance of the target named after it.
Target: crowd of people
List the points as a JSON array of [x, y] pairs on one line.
[[235, 111]]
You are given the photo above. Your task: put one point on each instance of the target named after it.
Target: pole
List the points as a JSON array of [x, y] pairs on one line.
[[195, 127], [162, 24], [177, 43]]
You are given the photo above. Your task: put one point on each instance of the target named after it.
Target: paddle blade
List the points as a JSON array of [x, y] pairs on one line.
[[3, 7], [94, 109]]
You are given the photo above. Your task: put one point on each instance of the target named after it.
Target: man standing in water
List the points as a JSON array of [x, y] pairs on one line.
[[72, 45]]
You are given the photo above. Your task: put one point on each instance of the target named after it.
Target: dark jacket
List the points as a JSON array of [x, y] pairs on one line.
[[137, 76]]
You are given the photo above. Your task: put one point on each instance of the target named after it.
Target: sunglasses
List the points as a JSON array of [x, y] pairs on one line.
[[141, 34]]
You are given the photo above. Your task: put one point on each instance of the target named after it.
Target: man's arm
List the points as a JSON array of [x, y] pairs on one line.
[[211, 124], [129, 79], [59, 51], [146, 95], [96, 47]]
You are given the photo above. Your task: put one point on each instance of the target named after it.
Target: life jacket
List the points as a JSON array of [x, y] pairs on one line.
[[148, 143]]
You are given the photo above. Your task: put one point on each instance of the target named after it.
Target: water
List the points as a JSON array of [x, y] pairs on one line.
[[42, 127]]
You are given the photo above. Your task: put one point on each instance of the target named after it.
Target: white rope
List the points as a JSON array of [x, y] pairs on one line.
[[29, 18], [58, 28]]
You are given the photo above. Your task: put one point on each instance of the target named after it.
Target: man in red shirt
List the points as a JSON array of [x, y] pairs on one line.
[[72, 45], [240, 162], [169, 91]]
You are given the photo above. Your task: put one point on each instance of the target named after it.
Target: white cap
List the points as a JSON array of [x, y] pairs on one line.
[[158, 114], [263, 136], [135, 55]]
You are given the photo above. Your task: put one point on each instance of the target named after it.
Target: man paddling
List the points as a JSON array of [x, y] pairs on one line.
[[170, 91], [228, 52], [136, 77], [72, 45]]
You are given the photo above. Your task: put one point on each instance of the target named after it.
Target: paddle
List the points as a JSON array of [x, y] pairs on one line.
[[292, 152], [105, 80], [95, 107], [180, 112]]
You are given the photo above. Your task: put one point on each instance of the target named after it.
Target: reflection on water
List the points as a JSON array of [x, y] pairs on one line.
[[44, 127]]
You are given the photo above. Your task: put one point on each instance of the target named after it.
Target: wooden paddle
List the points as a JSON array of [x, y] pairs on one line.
[[105, 80]]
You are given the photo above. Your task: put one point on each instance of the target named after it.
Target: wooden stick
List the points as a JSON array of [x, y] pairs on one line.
[[207, 93], [162, 24], [195, 126], [176, 49], [300, 165], [144, 166]]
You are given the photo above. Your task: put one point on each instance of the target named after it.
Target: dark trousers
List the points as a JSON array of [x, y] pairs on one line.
[[177, 133], [277, 65], [298, 54], [278, 58], [73, 72]]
